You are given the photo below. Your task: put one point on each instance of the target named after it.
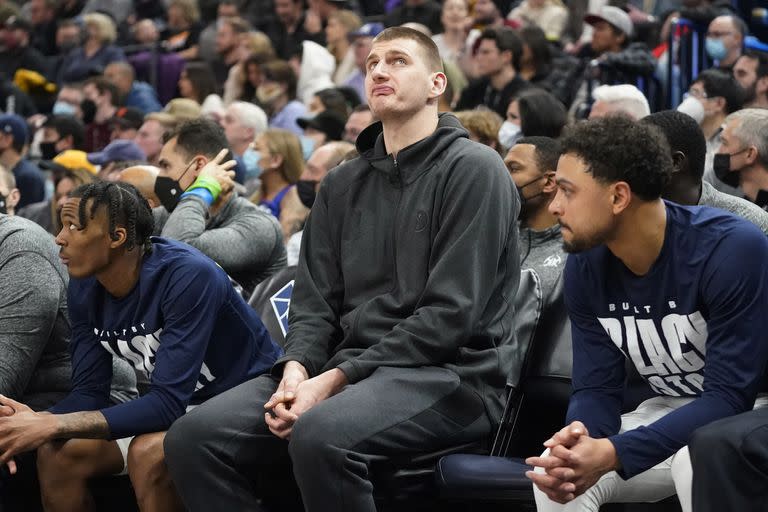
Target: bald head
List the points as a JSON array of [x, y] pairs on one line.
[[121, 74], [143, 178]]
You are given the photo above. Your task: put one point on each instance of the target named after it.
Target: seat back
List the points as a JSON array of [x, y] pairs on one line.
[[271, 299]]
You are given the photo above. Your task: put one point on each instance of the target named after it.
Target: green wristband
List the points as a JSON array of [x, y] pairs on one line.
[[212, 185]]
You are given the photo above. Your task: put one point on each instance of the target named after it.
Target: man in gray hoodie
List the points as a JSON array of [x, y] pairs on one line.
[[401, 321]]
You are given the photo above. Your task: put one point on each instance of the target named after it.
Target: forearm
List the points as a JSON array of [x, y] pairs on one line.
[[82, 425]]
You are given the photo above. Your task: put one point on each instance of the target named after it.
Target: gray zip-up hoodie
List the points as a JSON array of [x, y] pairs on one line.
[[411, 262]]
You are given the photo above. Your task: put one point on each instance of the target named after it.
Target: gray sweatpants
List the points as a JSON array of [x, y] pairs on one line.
[[395, 411]]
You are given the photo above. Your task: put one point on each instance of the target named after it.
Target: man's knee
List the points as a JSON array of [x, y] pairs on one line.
[[183, 441], [62, 460], [314, 434], [146, 461]]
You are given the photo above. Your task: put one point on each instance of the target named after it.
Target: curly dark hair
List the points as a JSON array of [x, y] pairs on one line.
[[617, 148], [125, 207]]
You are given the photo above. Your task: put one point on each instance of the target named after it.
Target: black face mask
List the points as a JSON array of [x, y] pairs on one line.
[[523, 199], [88, 108], [48, 150], [722, 167], [169, 191], [306, 191], [3, 204]]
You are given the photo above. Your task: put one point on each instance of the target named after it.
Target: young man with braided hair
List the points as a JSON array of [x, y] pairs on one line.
[[157, 303]]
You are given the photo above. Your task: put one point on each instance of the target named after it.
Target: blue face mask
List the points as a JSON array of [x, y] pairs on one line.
[[716, 48], [307, 147], [62, 108], [251, 159]]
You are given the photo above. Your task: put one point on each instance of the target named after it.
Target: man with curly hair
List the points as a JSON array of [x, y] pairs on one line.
[[653, 282]]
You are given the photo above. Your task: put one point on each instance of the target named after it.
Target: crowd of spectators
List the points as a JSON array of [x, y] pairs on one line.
[[200, 138]]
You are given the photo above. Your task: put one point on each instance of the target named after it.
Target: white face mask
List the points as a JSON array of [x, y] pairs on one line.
[[693, 107], [509, 134]]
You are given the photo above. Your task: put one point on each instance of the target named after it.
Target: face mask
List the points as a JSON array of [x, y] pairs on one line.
[[306, 191], [3, 204], [722, 167], [715, 48], [692, 107], [524, 200], [251, 159], [509, 133], [267, 94], [62, 108], [169, 191], [66, 46], [88, 108], [307, 147], [48, 150]]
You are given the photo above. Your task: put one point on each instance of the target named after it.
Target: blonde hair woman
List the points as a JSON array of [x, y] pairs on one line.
[[252, 43], [184, 28], [282, 163], [340, 24], [97, 51]]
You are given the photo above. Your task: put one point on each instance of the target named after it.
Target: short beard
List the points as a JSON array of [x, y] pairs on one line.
[[577, 245]]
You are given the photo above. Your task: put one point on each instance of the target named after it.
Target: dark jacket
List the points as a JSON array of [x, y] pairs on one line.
[[480, 92], [410, 262]]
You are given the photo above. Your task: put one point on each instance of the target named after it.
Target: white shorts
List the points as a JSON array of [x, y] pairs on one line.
[[125, 442]]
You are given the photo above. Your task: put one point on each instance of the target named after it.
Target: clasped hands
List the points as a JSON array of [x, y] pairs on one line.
[[573, 463], [297, 394], [21, 430]]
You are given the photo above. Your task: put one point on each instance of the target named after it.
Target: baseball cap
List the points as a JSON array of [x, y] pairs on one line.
[[16, 126], [332, 125], [614, 16], [127, 118], [176, 111], [367, 30], [16, 22], [117, 151], [69, 159]]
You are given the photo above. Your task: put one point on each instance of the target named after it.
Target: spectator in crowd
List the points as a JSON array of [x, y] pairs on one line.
[[113, 154], [67, 176], [68, 36], [646, 278], [242, 123], [69, 101], [497, 59], [325, 127], [191, 349], [104, 96], [426, 12], [177, 111], [536, 60], [14, 135], [742, 158], [9, 194], [277, 94], [751, 71], [281, 162], [532, 162], [689, 151], [252, 77], [712, 96], [293, 26], [535, 113], [198, 83], [125, 123], [329, 100], [42, 17], [207, 41], [361, 46], [143, 177], [17, 51], [253, 45], [623, 99], [182, 32], [61, 132], [228, 36], [489, 14], [618, 59], [403, 356], [323, 159], [13, 99], [340, 25], [483, 126], [135, 93], [246, 241], [314, 67], [549, 15], [150, 137], [145, 32], [97, 51], [360, 118], [452, 41], [725, 40]]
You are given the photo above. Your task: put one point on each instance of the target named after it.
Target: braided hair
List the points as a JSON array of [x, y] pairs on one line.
[[125, 207]]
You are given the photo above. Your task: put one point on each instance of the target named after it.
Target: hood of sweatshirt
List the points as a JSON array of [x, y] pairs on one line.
[[414, 160], [317, 66]]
